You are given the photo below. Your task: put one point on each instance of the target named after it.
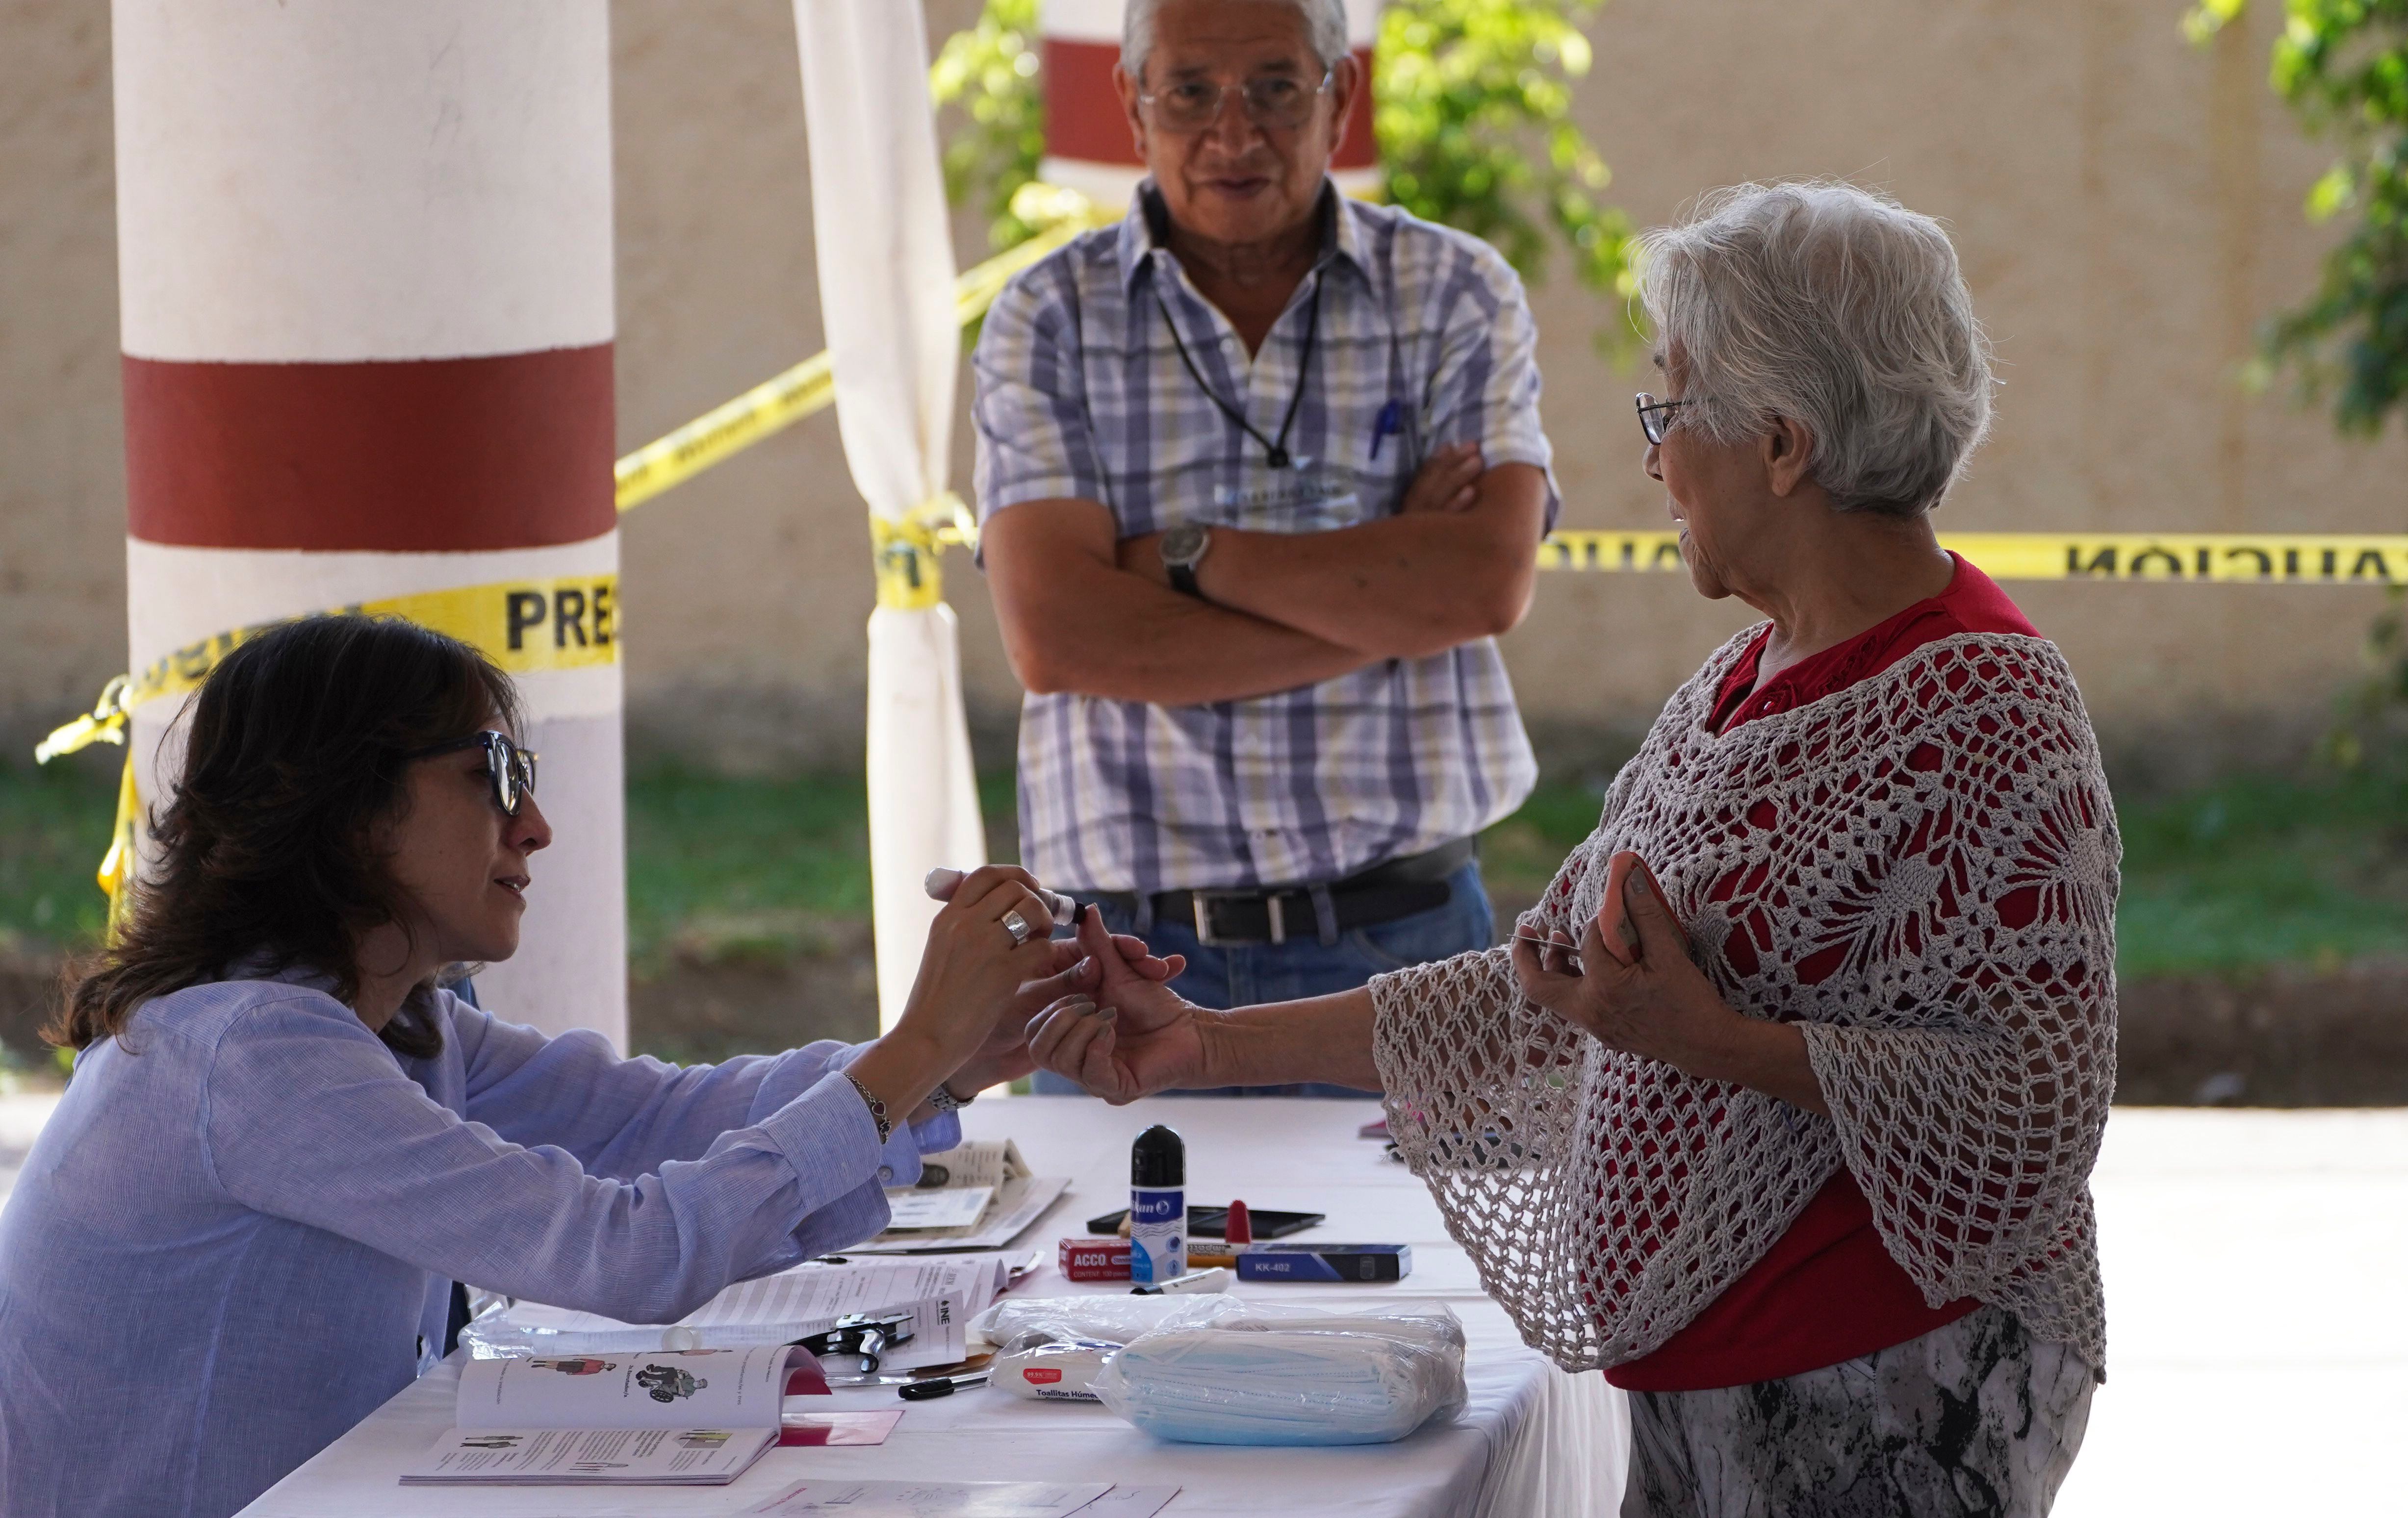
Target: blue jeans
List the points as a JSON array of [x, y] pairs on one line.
[[1246, 974]]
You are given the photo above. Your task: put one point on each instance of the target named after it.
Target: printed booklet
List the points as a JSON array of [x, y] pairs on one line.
[[665, 1417]]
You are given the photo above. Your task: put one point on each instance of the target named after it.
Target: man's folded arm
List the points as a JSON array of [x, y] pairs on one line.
[[1073, 621], [1403, 587]]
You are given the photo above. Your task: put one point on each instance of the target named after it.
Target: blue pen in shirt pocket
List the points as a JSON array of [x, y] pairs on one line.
[[1391, 421]]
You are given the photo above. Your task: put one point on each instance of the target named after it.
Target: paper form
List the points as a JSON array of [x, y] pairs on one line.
[[577, 1456], [932, 1499]]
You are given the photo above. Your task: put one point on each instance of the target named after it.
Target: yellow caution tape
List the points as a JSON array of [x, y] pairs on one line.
[[125, 847], [771, 408], [2261, 558], [564, 622], [568, 622], [907, 553]]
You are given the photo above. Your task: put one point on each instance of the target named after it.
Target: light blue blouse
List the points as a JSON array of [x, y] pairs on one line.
[[237, 1238]]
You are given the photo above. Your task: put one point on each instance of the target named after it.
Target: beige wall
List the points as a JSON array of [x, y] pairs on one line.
[[2127, 207], [61, 445]]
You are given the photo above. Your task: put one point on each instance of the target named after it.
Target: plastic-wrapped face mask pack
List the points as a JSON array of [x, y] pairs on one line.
[[1043, 1368], [1213, 1369]]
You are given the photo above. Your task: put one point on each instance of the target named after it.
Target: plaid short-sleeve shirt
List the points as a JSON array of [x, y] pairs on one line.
[[1422, 340]]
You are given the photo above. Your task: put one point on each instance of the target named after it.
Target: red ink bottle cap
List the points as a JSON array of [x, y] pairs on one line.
[[1240, 1229]]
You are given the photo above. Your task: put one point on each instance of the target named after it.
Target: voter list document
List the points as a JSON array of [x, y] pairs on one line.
[[940, 1292], [965, 1499]]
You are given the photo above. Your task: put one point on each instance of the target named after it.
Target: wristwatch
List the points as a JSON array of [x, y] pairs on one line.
[[943, 1100], [1183, 548]]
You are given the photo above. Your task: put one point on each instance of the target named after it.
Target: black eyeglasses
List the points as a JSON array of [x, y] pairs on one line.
[[1277, 101], [1656, 416], [510, 767]]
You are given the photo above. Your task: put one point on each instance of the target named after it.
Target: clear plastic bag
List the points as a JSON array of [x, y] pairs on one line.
[[1112, 1320], [1263, 1374]]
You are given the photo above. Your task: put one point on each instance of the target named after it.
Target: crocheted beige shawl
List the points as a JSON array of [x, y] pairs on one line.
[[1920, 871]]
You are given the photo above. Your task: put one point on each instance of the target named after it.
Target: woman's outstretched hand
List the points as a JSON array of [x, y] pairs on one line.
[[1657, 1003], [1127, 1036]]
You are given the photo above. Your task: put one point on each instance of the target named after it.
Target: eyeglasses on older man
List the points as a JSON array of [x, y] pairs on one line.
[[1274, 102]]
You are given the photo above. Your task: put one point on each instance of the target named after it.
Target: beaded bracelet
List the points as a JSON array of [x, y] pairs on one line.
[[877, 1112]]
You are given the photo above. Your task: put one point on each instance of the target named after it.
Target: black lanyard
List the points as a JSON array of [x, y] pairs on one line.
[[1274, 450]]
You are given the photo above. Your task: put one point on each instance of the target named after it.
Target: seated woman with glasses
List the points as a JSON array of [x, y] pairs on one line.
[[1782, 1106], [284, 1140]]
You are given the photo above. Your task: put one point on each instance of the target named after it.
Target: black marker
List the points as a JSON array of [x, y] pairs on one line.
[[936, 1386]]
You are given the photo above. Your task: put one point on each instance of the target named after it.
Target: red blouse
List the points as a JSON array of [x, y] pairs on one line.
[[1826, 1291]]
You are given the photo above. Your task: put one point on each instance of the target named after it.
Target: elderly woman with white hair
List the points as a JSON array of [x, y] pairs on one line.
[[1782, 1106]]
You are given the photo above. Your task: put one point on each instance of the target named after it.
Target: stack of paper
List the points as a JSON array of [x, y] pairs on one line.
[[940, 1291]]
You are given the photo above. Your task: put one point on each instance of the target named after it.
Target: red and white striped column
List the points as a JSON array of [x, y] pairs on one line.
[[365, 259], [1087, 146]]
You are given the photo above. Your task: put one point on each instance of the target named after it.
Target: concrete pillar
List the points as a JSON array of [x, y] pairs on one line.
[[364, 263], [1087, 146]]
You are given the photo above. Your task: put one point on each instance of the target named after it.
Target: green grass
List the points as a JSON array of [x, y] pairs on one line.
[[746, 867], [2257, 870], [53, 829], [2249, 872]]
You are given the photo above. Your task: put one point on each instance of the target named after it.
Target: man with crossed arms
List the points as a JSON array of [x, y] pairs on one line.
[[1261, 478]]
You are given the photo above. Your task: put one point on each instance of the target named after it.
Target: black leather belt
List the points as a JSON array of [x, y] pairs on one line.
[[1276, 913]]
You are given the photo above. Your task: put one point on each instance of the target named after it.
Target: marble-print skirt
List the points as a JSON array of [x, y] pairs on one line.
[[1973, 1418]]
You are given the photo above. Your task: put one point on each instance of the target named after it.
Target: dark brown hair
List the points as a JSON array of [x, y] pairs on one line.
[[267, 854]]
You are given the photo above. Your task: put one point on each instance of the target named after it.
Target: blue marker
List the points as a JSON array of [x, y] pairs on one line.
[[1392, 417]]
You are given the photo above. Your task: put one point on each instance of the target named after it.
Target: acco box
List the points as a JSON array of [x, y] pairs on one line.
[[1095, 1259]]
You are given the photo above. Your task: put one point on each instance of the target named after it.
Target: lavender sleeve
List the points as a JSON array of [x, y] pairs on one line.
[[311, 1121]]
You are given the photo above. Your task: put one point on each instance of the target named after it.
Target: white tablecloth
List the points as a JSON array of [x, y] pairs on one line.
[[1534, 1442]]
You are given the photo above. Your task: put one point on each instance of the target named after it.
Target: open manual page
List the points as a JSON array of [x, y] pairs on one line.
[[980, 1194], [677, 1417]]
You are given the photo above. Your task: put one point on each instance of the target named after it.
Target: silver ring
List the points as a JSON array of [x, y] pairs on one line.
[[1017, 926]]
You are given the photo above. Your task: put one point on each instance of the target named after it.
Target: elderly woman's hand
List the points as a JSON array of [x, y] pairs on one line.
[[1133, 1036], [1657, 1004], [1650, 1000], [1074, 971]]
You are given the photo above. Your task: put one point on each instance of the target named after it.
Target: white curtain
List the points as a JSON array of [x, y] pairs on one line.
[[886, 301]]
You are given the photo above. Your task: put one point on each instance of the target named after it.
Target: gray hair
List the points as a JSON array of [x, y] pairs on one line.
[[1837, 308], [1324, 27]]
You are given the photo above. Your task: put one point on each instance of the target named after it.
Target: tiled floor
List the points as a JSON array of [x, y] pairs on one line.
[[2258, 1311]]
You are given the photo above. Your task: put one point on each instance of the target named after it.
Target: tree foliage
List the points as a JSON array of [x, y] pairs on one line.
[[991, 73], [2343, 66], [1472, 107]]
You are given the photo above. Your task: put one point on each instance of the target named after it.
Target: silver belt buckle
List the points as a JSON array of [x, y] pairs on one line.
[[1200, 904]]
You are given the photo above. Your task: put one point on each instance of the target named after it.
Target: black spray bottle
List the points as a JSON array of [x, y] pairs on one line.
[[1157, 1206]]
